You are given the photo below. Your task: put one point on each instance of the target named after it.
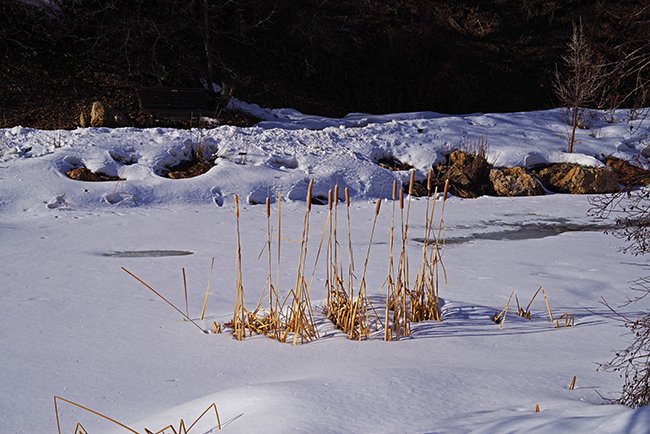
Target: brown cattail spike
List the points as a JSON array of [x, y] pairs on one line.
[[394, 189], [536, 408], [311, 186], [429, 176], [444, 195], [411, 180], [401, 199], [236, 206], [268, 207], [377, 207], [347, 197], [329, 199], [336, 194]]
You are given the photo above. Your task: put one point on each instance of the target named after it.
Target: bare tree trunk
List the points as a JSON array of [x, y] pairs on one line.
[[574, 125], [206, 45]]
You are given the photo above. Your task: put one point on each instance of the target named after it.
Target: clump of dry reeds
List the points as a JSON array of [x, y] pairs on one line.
[[564, 320], [300, 317], [348, 308], [338, 307], [420, 302], [425, 296]]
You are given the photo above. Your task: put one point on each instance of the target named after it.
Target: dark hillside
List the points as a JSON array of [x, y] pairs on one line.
[[327, 57]]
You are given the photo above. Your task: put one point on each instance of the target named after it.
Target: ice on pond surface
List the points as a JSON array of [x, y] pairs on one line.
[[146, 253]]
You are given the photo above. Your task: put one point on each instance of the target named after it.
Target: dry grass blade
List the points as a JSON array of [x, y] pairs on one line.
[[500, 317], [239, 315], [358, 326], [207, 290], [96, 413], [187, 310], [163, 298], [572, 383], [300, 317]]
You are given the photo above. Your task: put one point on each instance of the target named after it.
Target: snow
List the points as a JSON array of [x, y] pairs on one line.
[[75, 325]]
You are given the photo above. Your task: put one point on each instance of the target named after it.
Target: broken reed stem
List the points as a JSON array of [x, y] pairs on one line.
[[300, 321], [350, 252], [360, 306], [163, 298], [277, 276], [207, 290], [548, 306], [572, 383], [391, 296], [96, 413], [187, 310], [239, 316], [329, 282], [216, 413], [501, 317]]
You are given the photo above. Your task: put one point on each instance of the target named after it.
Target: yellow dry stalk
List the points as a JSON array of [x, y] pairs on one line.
[[96, 413], [239, 314], [185, 430], [216, 327], [500, 317], [300, 320], [569, 320], [391, 291], [207, 290], [187, 310], [358, 324], [548, 306], [146, 285], [572, 383]]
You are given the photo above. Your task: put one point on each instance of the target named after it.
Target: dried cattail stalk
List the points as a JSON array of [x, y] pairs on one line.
[[163, 298], [207, 290], [239, 315]]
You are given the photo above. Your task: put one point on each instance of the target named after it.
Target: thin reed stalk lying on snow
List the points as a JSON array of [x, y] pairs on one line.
[[96, 413], [163, 299]]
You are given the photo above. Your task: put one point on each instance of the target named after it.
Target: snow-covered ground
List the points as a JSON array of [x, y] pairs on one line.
[[74, 324]]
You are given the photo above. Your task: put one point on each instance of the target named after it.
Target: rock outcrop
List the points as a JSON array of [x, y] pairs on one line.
[[576, 179], [514, 181], [102, 116], [468, 174]]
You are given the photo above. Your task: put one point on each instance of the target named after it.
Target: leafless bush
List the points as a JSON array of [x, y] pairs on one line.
[[632, 223], [581, 80]]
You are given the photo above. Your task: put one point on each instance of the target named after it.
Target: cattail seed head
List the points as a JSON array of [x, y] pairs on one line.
[[311, 185]]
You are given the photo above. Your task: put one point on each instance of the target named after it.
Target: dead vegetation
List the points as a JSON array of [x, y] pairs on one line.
[[169, 429]]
